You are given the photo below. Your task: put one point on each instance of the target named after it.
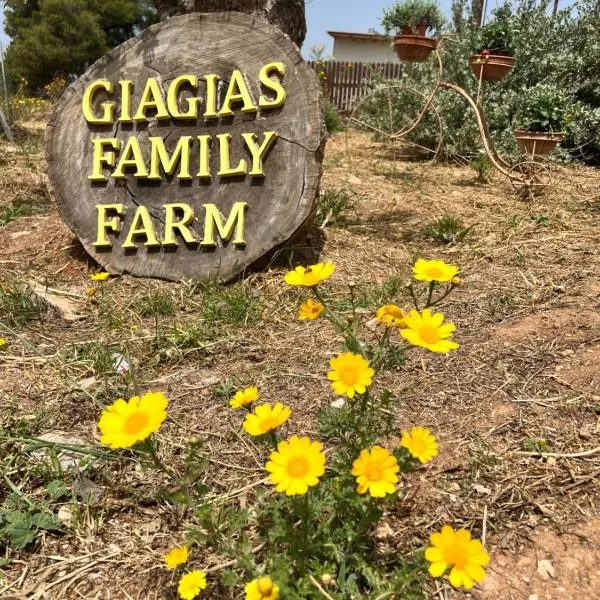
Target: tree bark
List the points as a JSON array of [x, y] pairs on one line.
[[287, 15], [477, 10]]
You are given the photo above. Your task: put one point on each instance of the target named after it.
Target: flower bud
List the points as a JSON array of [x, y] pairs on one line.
[[265, 586], [456, 281], [326, 579]]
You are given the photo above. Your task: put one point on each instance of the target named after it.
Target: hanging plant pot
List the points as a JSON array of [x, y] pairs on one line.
[[491, 67], [538, 142], [414, 48]]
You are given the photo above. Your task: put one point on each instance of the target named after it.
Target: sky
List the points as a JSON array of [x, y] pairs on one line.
[[334, 15]]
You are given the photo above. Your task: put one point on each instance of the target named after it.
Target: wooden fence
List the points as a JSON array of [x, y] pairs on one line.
[[346, 82]]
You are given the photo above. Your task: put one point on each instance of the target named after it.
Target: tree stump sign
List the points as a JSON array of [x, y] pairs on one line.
[[190, 151]]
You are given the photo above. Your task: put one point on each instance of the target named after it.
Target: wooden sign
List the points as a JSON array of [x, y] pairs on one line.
[[191, 150]]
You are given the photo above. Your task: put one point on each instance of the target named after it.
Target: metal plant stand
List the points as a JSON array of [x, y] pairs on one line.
[[529, 177]]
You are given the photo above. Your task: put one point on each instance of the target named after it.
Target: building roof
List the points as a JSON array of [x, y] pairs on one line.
[[374, 37]]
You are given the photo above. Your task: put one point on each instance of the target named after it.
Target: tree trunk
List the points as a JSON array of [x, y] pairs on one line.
[[288, 15], [477, 7]]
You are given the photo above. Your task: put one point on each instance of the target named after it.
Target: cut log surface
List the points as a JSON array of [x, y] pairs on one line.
[[278, 204]]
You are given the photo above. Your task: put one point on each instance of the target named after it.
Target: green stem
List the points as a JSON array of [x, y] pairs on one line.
[[430, 293], [37, 444], [149, 447], [448, 290], [414, 298]]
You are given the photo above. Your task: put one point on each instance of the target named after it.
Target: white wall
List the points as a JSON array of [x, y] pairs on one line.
[[357, 50]]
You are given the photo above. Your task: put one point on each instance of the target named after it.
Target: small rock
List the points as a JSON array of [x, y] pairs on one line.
[[481, 489], [532, 597], [339, 403], [551, 461], [65, 515], [545, 569], [86, 384], [65, 458], [353, 180]]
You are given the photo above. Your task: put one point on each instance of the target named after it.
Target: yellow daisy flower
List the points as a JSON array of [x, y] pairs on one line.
[[375, 472], [191, 584], [456, 549], [421, 443], [350, 374], [266, 418], [434, 270], [310, 276], [391, 315], [244, 397], [100, 276], [296, 465], [309, 310], [426, 330], [262, 589], [123, 424], [2, 342], [176, 557]]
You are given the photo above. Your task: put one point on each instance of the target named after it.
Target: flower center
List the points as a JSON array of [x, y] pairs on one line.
[[297, 467], [268, 424], [456, 555], [429, 334], [373, 471], [135, 423], [434, 272], [349, 375]]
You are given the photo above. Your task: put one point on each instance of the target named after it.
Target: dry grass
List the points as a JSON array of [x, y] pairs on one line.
[[527, 313]]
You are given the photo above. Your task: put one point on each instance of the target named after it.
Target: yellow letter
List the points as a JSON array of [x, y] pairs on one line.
[[141, 225], [212, 84], [272, 85], [126, 89], [172, 98], [151, 98], [237, 92], [103, 158], [204, 156], [131, 157], [213, 218], [160, 157], [258, 152], [225, 150], [108, 108], [104, 224], [182, 225]]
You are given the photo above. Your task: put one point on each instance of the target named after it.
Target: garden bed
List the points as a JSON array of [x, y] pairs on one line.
[[525, 316]]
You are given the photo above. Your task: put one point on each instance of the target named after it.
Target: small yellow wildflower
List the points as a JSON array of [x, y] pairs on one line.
[[2, 342], [310, 276], [296, 465], [262, 589], [457, 550], [91, 291], [191, 584], [350, 374], [309, 310], [244, 397], [391, 315], [426, 330], [176, 557], [266, 418], [123, 424], [100, 276], [375, 471], [434, 270], [421, 444]]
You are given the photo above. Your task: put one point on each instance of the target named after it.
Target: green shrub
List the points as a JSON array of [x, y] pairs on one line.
[[542, 110], [333, 121], [410, 13]]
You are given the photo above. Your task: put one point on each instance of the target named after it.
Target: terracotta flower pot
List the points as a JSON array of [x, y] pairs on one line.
[[491, 67], [538, 142], [422, 29], [407, 30], [414, 48]]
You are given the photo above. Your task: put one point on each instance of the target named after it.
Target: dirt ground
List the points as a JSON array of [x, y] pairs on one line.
[[526, 377]]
